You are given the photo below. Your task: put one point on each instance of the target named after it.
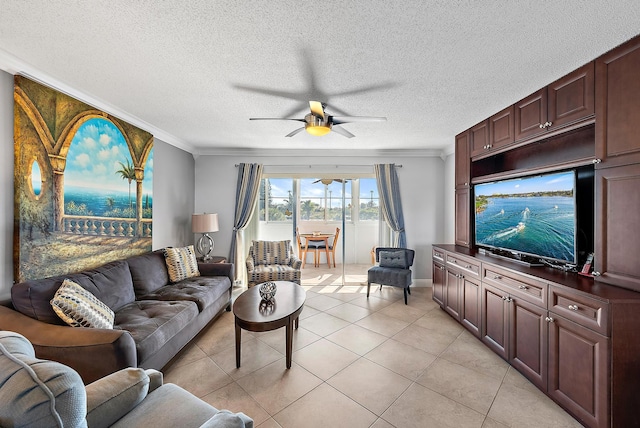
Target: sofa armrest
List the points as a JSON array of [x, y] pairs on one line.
[[295, 262], [217, 269], [92, 352], [156, 379], [115, 395]]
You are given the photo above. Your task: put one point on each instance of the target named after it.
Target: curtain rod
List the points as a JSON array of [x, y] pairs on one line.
[[320, 165]]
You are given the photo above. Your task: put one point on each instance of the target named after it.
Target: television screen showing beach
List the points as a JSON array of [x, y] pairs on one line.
[[532, 215]]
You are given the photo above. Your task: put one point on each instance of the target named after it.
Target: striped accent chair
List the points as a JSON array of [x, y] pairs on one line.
[[272, 261]]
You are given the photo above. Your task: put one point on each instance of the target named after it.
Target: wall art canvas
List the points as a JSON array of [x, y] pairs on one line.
[[83, 184]]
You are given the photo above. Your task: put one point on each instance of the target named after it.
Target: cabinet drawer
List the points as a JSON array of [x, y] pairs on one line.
[[464, 264], [438, 255], [526, 288], [584, 310]]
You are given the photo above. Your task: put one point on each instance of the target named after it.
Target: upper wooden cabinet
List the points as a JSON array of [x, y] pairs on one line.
[[618, 105], [501, 129], [479, 136], [463, 165], [567, 101]]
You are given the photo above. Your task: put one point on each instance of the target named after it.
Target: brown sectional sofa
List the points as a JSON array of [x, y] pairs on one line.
[[154, 319]]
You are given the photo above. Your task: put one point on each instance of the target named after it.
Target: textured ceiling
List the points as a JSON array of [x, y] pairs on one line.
[[193, 72]]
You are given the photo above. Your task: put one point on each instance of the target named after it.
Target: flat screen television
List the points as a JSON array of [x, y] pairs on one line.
[[533, 216]]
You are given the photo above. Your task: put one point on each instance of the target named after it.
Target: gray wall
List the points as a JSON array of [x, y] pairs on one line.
[[449, 204], [421, 187], [6, 183], [173, 195]]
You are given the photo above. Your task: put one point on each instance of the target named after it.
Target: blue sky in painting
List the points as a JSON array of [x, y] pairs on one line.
[[94, 156]]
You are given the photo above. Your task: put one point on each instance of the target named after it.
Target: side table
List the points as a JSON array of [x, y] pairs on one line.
[[213, 259]]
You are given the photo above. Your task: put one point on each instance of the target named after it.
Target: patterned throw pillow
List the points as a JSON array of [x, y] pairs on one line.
[[181, 263], [393, 259], [79, 308]]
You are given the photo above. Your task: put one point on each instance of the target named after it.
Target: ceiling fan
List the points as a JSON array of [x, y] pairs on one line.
[[318, 123], [327, 181]]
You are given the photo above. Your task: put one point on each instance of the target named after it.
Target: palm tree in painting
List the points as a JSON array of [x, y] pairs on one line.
[[127, 172]]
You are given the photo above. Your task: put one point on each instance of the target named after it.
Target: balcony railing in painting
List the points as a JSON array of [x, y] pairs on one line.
[[106, 226]]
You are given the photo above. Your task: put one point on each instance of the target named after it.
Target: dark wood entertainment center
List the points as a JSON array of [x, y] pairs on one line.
[[576, 338]]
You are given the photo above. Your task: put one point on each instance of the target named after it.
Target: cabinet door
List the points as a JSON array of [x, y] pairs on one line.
[[617, 105], [528, 337], [470, 314], [452, 294], [479, 136], [495, 320], [578, 371], [463, 217], [571, 98], [530, 115], [463, 163], [501, 129], [617, 233], [438, 284]]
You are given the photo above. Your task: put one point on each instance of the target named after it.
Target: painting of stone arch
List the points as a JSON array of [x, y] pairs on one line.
[[83, 184]]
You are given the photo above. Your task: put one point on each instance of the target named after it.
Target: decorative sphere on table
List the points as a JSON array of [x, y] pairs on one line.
[[268, 290]]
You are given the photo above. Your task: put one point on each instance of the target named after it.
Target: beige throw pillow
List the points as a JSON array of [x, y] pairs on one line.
[[79, 308], [181, 263]]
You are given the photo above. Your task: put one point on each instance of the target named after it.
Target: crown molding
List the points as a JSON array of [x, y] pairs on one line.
[[15, 66], [229, 151]]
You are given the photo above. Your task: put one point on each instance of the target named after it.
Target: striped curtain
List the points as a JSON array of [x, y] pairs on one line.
[[389, 191], [247, 191]]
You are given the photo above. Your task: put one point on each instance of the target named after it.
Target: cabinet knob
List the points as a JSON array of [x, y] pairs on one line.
[[542, 126], [497, 277], [466, 184], [596, 161], [548, 124], [573, 307], [596, 273], [523, 287], [467, 266], [509, 299], [505, 298], [548, 319]]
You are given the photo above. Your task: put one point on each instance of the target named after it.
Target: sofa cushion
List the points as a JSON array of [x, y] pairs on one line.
[[393, 259], [113, 396], [37, 392], [33, 298], [111, 283], [79, 308], [153, 323], [181, 263], [148, 272], [264, 273], [203, 290]]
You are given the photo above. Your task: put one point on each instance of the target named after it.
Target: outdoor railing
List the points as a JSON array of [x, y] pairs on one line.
[[105, 226]]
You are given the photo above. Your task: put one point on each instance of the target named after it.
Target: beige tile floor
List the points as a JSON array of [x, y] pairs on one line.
[[361, 362]]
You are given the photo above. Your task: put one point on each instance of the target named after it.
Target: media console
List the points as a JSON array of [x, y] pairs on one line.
[[576, 339]]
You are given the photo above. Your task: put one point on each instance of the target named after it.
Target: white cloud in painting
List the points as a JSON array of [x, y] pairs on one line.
[[82, 160], [105, 140]]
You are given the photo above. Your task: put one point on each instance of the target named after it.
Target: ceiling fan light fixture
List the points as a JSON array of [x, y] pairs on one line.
[[317, 130], [316, 126]]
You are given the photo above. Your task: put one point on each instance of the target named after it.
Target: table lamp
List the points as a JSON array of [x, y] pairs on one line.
[[204, 223]]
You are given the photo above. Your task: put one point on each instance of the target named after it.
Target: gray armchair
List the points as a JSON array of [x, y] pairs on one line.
[[393, 269], [45, 393]]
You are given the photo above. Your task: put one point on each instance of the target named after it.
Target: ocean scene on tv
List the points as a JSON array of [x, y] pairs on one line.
[[533, 215]]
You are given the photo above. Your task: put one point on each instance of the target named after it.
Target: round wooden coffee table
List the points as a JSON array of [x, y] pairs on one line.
[[251, 315]]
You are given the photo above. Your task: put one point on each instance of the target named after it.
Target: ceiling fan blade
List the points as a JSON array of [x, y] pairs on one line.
[[277, 118], [292, 133], [342, 131], [273, 92], [337, 120], [317, 109]]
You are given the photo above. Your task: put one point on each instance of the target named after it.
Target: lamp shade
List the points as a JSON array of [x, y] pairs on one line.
[[204, 223]]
